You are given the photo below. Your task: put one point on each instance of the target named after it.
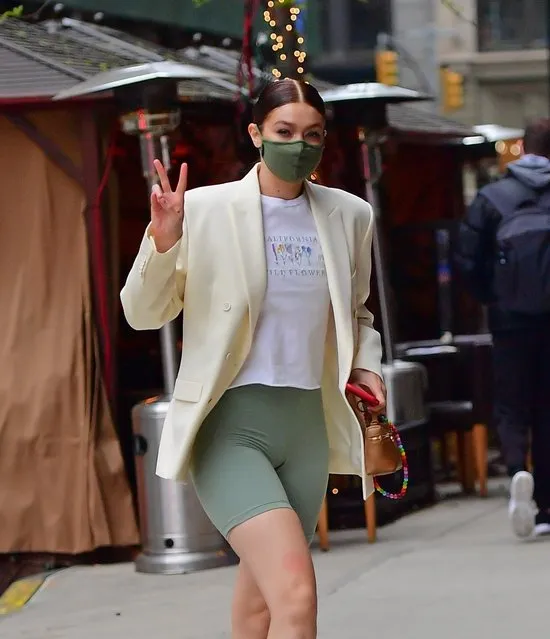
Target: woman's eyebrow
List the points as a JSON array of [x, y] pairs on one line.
[[290, 125]]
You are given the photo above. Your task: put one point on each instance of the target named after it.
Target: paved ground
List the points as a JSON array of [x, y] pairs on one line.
[[450, 572]]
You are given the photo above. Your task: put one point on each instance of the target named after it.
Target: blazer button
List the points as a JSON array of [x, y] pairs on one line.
[[228, 356], [227, 306]]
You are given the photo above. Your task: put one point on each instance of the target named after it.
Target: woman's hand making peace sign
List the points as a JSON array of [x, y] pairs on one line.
[[167, 209]]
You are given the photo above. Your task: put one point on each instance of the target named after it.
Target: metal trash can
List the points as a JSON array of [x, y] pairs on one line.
[[176, 535], [406, 384]]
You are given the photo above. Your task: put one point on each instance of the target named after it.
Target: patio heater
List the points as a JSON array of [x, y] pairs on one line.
[[365, 105], [177, 537]]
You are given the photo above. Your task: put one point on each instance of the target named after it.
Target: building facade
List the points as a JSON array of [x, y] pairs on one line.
[[501, 46], [347, 36]]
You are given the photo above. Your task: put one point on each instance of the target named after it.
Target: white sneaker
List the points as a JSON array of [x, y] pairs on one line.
[[542, 530], [521, 509]]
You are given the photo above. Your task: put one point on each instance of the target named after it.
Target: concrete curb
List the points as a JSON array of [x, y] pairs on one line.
[[20, 592]]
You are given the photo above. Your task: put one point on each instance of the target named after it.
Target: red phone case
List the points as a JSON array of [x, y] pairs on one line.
[[363, 394]]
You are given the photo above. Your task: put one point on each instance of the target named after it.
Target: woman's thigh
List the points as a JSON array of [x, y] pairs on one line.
[[305, 479], [304, 475], [235, 483], [275, 549], [262, 449]]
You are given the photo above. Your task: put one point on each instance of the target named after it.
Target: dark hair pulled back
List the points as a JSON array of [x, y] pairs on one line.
[[536, 138], [288, 91]]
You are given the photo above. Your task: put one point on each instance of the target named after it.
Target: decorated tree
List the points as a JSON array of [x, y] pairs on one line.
[[285, 21]]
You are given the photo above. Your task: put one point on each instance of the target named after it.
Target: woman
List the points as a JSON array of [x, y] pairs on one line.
[[272, 273]]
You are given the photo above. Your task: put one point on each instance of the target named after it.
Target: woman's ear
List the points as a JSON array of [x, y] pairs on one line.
[[255, 135]]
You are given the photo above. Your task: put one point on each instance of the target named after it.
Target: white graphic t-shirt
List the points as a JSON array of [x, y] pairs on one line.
[[289, 342]]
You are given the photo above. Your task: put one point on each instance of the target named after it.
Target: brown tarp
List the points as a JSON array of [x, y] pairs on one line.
[[63, 487]]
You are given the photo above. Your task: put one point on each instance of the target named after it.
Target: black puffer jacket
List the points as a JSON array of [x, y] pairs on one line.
[[475, 251]]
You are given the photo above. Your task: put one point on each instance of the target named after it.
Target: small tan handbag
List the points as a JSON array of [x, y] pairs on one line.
[[384, 451], [382, 456]]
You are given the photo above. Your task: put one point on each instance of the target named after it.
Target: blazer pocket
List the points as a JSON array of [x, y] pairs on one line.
[[186, 391]]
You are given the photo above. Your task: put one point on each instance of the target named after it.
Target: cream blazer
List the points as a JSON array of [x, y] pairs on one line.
[[217, 275]]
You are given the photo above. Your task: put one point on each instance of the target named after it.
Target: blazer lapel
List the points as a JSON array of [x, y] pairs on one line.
[[332, 238], [246, 217]]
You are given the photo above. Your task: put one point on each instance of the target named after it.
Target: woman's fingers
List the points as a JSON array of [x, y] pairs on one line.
[[381, 406], [378, 390], [163, 176], [162, 197], [182, 182], [375, 385], [159, 200], [155, 198], [156, 191]]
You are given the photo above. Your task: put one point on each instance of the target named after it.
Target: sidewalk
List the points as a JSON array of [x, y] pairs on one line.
[[451, 572]]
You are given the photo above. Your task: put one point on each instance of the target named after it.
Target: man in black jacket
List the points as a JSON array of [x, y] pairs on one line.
[[521, 342]]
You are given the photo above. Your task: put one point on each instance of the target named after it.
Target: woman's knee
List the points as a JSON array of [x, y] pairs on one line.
[[251, 620], [295, 598], [296, 605], [285, 575], [250, 614]]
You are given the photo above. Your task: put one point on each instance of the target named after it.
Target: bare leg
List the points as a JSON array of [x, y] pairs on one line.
[[250, 615], [274, 548]]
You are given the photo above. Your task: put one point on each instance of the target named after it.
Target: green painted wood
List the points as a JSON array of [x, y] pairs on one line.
[[219, 16], [223, 17]]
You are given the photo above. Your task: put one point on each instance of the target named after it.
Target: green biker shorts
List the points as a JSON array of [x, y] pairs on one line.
[[262, 448]]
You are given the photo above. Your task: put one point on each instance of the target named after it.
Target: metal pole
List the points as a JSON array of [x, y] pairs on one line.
[[433, 64], [371, 168], [430, 36], [445, 303], [548, 48], [338, 35], [433, 53], [152, 147]]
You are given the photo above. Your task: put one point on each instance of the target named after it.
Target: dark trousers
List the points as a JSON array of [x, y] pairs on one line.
[[521, 361]]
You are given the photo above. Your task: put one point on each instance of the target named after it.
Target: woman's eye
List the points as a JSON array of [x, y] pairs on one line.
[[314, 134], [283, 132]]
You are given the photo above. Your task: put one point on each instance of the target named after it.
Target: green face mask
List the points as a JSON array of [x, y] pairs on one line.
[[291, 161]]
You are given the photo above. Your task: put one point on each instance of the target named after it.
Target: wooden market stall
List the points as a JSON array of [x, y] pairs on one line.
[[64, 492]]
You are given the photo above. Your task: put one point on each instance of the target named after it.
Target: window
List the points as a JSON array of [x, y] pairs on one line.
[[325, 24], [368, 18], [353, 24], [505, 25]]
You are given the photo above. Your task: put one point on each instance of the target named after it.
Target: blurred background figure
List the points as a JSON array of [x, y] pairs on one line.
[[504, 254]]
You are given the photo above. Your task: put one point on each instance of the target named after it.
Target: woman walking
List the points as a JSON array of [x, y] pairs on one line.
[[272, 273]]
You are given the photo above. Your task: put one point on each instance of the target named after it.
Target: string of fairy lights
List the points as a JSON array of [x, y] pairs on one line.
[[285, 22]]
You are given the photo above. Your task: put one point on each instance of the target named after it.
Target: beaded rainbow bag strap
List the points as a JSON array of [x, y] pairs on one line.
[[384, 450]]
